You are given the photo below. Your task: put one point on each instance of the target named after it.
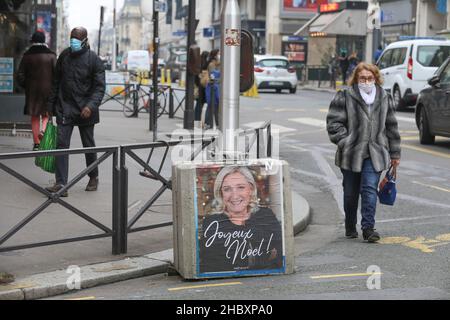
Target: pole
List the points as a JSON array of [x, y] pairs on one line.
[[102, 10], [114, 53], [230, 73], [189, 115], [153, 112]]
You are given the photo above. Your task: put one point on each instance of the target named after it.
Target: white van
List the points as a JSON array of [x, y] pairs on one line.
[[407, 65]]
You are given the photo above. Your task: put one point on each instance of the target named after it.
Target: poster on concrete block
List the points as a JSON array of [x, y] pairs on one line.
[[240, 215]]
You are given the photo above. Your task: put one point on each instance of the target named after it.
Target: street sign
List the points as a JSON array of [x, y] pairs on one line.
[[180, 33], [208, 32]]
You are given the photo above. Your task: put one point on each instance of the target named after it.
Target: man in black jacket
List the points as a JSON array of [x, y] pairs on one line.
[[77, 93]]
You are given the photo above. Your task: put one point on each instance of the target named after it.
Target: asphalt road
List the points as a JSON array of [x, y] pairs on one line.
[[411, 262]]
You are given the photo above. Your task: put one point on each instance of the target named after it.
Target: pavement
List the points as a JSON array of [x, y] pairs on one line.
[[44, 272]]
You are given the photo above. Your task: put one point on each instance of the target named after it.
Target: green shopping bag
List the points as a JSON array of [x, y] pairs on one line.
[[48, 163]]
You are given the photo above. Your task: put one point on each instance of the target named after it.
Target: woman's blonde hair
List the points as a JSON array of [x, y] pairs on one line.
[[369, 67], [218, 201]]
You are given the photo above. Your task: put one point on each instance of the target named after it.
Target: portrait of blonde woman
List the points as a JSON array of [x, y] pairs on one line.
[[239, 234]]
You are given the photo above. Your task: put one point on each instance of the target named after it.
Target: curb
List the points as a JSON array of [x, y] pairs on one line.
[[54, 283], [319, 89]]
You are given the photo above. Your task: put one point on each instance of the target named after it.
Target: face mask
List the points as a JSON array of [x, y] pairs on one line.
[[367, 87], [76, 45]]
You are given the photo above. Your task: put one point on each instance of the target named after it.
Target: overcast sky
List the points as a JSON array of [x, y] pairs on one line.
[[86, 13]]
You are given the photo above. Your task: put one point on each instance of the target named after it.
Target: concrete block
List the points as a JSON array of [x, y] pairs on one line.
[[186, 218]]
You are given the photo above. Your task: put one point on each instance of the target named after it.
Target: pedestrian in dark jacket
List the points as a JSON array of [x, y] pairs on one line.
[[201, 82], [36, 72], [362, 123], [77, 93]]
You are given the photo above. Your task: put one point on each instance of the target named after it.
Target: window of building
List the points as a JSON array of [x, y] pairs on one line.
[[260, 8], [15, 29]]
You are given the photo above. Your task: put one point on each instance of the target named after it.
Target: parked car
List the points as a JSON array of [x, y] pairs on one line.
[[275, 72], [177, 63], [433, 106], [407, 65]]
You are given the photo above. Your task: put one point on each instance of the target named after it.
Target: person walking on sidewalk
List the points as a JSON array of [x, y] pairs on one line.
[[362, 123], [36, 72], [77, 93]]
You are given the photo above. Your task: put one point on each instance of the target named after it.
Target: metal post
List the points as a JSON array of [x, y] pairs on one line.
[[153, 113], [212, 104], [171, 106], [230, 73], [189, 115], [123, 222], [102, 11], [117, 193], [114, 53]]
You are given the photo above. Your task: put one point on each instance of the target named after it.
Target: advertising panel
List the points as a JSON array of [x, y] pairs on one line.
[[295, 51], [44, 24], [239, 217]]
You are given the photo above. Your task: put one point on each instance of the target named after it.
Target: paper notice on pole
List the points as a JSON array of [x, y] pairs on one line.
[[232, 37]]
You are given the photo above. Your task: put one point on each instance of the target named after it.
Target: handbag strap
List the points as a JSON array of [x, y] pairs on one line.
[[393, 172]]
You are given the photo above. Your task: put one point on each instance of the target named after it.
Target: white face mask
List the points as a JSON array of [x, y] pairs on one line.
[[367, 87]]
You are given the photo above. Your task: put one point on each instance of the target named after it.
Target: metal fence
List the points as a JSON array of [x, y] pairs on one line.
[[122, 226]]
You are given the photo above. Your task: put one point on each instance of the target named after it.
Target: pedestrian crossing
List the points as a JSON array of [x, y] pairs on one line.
[[308, 121]]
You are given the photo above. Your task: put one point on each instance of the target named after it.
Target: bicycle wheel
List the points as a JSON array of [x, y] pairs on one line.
[[128, 105]]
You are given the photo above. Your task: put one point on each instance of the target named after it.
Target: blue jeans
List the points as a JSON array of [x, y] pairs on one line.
[[363, 183]]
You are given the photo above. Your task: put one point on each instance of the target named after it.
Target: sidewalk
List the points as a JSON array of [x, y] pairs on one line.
[[41, 272]]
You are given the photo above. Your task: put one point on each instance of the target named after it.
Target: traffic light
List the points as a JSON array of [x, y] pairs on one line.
[[247, 61]]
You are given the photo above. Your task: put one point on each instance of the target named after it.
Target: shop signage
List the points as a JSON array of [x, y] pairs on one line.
[[6, 83], [6, 65]]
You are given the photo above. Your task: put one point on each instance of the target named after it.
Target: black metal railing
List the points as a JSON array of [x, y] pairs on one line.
[[55, 198], [122, 226]]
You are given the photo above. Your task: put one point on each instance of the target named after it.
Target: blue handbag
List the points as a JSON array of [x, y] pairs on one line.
[[388, 189]]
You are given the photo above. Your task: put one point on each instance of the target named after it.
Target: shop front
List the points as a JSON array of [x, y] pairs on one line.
[[18, 20], [337, 28]]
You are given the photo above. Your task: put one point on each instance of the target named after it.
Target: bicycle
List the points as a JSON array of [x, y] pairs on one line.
[[139, 99]]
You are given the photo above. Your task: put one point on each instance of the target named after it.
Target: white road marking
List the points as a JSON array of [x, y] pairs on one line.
[[310, 122], [406, 119], [413, 218]]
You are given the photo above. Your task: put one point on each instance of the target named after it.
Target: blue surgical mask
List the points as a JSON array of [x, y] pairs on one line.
[[76, 45]]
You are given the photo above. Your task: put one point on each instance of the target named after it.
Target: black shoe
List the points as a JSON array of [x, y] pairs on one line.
[[351, 234], [371, 235], [92, 185], [36, 147], [56, 188]]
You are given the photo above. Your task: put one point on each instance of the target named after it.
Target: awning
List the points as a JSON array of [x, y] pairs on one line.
[[346, 22], [304, 28]]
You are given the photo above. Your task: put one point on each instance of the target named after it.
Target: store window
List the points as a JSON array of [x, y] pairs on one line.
[[15, 30]]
